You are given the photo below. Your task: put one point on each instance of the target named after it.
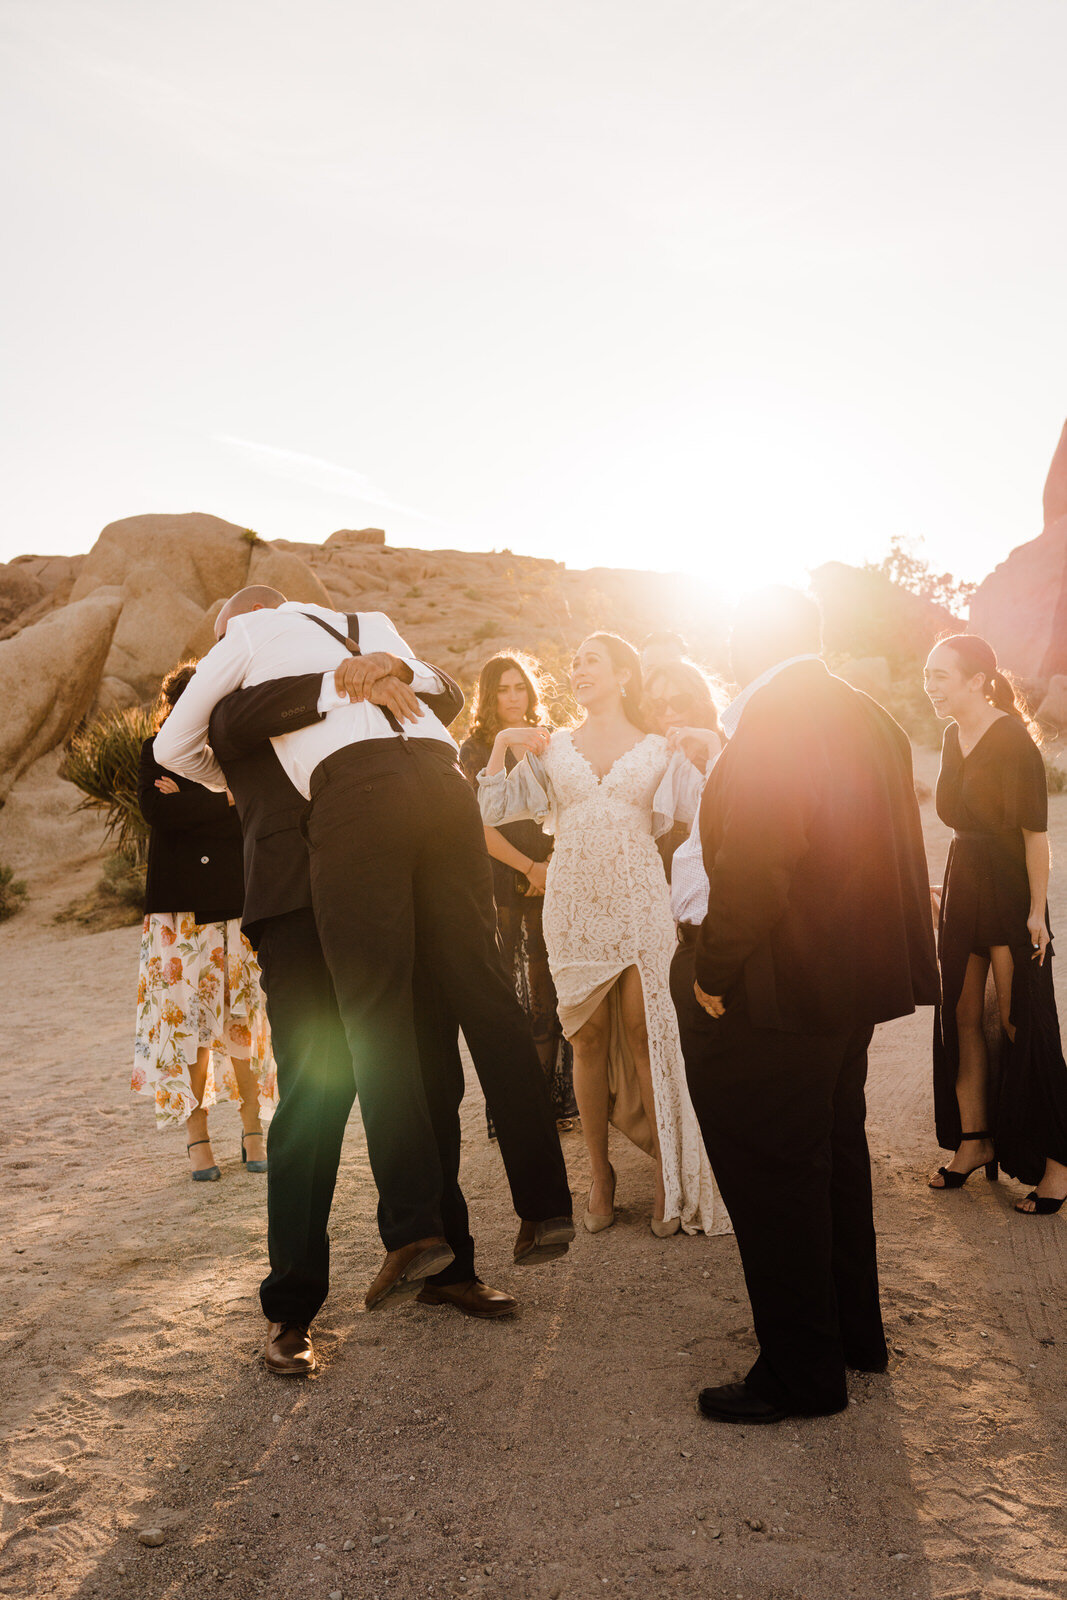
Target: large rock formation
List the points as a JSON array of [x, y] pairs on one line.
[[1021, 608], [202, 557], [865, 614], [48, 678]]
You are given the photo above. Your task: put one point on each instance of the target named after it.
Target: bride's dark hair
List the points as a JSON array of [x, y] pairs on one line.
[[974, 655], [624, 658]]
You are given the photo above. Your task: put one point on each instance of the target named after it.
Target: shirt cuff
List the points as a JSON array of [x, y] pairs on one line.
[[424, 680], [329, 699]]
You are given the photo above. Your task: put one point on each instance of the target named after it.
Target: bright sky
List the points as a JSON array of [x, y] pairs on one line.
[[729, 286]]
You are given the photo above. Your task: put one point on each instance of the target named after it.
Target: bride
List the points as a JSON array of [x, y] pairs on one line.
[[607, 790]]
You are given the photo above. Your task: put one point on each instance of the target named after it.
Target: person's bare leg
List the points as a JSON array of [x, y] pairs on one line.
[[200, 1156], [636, 1026], [973, 1072], [591, 1092], [248, 1088]]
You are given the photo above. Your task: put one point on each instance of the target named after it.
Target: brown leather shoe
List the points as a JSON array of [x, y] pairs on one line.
[[405, 1267], [474, 1298], [543, 1241], [288, 1350]]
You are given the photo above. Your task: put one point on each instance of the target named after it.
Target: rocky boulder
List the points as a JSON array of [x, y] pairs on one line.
[[346, 536], [286, 572], [1021, 608], [31, 586], [865, 614], [1052, 711], [48, 678], [203, 557], [155, 621]]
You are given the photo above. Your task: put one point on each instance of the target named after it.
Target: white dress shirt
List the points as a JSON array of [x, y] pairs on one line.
[[689, 881], [281, 643]]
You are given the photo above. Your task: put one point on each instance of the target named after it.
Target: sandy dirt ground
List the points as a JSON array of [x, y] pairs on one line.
[[558, 1455]]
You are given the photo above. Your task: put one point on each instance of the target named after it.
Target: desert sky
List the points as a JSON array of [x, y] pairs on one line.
[[727, 286]]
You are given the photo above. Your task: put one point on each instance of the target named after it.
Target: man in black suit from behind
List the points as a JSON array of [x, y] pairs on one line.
[[818, 927], [315, 1075]]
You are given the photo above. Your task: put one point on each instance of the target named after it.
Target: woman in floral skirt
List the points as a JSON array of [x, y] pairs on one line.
[[202, 1032]]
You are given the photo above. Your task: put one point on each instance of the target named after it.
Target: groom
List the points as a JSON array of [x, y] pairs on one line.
[[809, 924]]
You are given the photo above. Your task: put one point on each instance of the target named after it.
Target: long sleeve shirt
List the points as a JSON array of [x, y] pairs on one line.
[[261, 645]]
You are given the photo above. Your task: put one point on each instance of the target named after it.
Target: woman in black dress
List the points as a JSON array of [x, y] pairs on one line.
[[508, 697], [993, 916]]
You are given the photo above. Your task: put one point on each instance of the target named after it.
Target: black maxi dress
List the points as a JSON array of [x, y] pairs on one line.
[[522, 944], [988, 797]]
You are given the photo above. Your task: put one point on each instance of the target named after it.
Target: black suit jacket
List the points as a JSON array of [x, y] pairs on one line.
[[270, 807], [194, 846], [819, 912]]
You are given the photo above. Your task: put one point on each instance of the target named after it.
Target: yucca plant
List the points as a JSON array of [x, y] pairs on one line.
[[103, 762]]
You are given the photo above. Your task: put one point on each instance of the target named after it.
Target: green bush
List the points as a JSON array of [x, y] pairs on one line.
[[103, 762], [1055, 777], [12, 893]]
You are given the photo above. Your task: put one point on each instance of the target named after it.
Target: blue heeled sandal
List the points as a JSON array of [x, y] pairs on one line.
[[252, 1166], [206, 1174]]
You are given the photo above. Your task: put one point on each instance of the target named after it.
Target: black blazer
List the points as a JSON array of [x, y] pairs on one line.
[[270, 807], [194, 846], [819, 913]]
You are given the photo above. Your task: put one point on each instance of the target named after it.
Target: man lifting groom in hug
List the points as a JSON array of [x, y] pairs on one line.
[[372, 908]]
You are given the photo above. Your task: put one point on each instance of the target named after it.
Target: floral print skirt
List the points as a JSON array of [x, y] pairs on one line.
[[198, 988]]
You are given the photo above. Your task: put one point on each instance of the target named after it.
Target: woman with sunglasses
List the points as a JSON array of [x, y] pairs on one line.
[[680, 705]]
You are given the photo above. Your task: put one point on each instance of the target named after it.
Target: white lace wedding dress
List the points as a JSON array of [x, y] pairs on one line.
[[607, 908]]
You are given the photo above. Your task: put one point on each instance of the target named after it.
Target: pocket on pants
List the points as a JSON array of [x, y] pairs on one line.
[[364, 817]]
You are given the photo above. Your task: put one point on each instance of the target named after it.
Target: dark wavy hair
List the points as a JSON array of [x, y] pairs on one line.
[[624, 658], [171, 690], [687, 676], [485, 723], [975, 655]]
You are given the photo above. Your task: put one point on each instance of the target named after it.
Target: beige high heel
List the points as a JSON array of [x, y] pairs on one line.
[[665, 1229], [594, 1222]]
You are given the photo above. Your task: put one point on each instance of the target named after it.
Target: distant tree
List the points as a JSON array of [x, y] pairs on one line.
[[905, 567]]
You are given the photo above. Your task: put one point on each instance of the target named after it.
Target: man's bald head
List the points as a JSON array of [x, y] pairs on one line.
[[257, 597]]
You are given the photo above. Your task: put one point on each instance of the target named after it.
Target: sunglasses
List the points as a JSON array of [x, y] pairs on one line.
[[678, 703]]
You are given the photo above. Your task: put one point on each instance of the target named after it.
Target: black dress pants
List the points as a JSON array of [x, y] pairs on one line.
[[316, 1088], [399, 867], [783, 1121]]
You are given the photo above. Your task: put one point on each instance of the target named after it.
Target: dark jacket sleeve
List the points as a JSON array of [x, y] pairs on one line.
[[192, 807], [446, 706], [244, 719], [763, 796]]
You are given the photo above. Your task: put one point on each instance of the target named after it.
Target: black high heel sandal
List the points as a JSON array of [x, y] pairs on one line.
[[205, 1174], [1044, 1205], [956, 1180], [251, 1166]]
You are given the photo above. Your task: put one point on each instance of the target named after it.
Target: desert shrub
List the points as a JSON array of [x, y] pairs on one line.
[[116, 899], [13, 893], [103, 762], [1055, 777], [484, 630]]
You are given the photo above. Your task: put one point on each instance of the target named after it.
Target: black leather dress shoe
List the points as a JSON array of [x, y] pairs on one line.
[[735, 1402]]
